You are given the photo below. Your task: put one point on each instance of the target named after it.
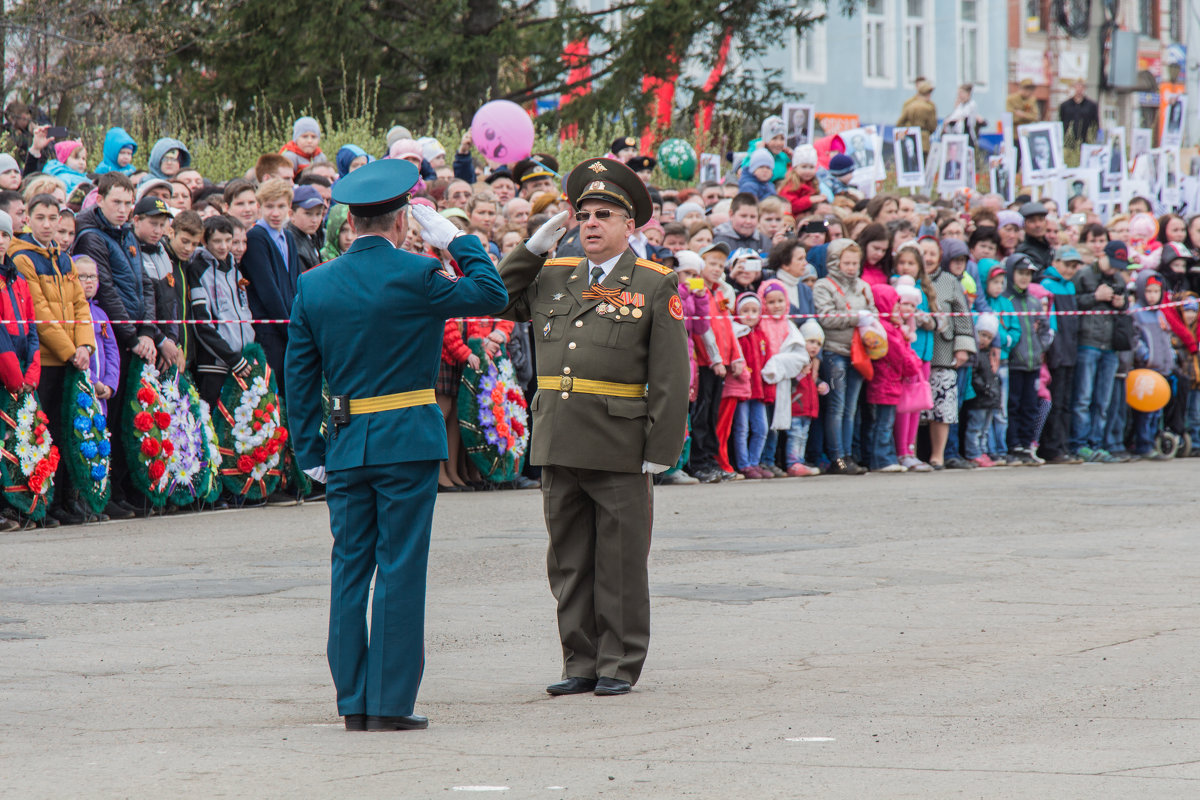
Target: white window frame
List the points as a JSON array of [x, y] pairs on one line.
[[981, 43], [813, 39], [885, 24], [925, 23]]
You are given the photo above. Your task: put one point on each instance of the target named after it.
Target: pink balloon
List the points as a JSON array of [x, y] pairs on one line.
[[503, 132]]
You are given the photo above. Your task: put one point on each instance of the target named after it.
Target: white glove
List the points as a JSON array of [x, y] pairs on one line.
[[650, 468], [316, 473], [435, 229], [864, 316], [548, 235]]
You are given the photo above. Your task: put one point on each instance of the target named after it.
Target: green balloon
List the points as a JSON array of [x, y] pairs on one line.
[[678, 159]]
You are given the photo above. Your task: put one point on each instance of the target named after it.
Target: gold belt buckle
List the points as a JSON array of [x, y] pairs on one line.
[[565, 383]]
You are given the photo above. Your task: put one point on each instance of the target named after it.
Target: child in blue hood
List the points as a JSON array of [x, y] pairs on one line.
[[119, 148]]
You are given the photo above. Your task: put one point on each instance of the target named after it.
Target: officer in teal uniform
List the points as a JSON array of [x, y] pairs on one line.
[[370, 322]]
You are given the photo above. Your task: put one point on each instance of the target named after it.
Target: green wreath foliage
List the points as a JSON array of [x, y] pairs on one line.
[[86, 445]]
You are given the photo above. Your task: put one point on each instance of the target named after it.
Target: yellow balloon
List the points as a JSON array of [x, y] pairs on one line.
[[1146, 390]]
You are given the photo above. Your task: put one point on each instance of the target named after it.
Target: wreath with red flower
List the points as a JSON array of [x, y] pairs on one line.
[[148, 445], [28, 457], [250, 432], [493, 416]]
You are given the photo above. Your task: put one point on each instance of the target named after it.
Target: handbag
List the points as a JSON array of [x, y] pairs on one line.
[[859, 357], [915, 395]]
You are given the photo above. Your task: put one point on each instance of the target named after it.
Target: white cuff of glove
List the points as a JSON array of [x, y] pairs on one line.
[[316, 473], [650, 468]]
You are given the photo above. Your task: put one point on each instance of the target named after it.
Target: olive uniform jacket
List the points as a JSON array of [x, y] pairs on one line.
[[645, 347]]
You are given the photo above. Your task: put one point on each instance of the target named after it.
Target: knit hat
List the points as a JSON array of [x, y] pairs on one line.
[[431, 148], [952, 249], [8, 163], [747, 258], [761, 157], [688, 259], [1173, 251], [804, 155], [395, 133], [746, 297], [811, 329], [772, 126], [841, 165], [987, 323], [305, 125], [907, 290], [407, 149], [771, 285], [683, 209], [63, 150], [6, 223], [1009, 217]]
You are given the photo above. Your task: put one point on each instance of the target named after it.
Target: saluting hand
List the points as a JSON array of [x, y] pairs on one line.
[[435, 229], [545, 237]]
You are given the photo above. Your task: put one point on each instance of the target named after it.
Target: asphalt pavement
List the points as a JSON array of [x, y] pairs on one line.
[[1010, 633]]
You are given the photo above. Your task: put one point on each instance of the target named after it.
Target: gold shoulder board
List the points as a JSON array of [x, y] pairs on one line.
[[659, 268], [563, 262]]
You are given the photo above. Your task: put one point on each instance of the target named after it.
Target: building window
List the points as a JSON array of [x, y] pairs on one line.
[[808, 48], [918, 40], [1147, 18], [879, 68], [1175, 11], [972, 45]]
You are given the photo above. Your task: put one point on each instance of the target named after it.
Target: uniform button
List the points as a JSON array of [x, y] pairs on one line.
[[565, 395], [566, 370], [578, 323], [571, 346]]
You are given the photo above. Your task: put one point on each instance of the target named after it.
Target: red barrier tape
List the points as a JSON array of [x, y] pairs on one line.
[[494, 319]]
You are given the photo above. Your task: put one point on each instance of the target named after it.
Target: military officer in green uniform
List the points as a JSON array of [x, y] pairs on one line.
[[370, 322], [609, 412]]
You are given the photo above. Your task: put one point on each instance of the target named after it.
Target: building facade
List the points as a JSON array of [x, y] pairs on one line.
[[867, 64]]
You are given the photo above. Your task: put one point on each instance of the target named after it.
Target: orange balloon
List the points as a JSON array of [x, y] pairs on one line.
[[1146, 390]]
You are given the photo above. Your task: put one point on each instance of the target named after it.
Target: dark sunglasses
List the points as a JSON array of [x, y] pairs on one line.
[[600, 214]]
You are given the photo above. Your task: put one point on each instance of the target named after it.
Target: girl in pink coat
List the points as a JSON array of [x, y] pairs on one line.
[[883, 391]]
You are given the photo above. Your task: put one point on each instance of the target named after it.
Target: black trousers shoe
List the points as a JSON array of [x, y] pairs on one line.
[[409, 723]]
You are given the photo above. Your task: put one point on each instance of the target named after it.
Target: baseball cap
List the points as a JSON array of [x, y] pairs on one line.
[[306, 197], [150, 206], [1067, 253], [1118, 254], [720, 246]]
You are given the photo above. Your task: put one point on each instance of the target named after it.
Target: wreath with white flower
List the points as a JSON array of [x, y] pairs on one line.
[[249, 429], [493, 416], [87, 447], [212, 450], [193, 473], [28, 458], [148, 446]]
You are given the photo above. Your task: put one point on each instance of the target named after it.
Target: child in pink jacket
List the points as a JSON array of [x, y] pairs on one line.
[[883, 391]]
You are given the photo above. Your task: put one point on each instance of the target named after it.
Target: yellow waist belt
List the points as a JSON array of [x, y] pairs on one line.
[[390, 402], [565, 383]]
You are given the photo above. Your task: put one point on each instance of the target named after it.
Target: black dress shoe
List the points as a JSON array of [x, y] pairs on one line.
[[607, 687], [572, 686], [116, 510], [356, 722], [410, 723]]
